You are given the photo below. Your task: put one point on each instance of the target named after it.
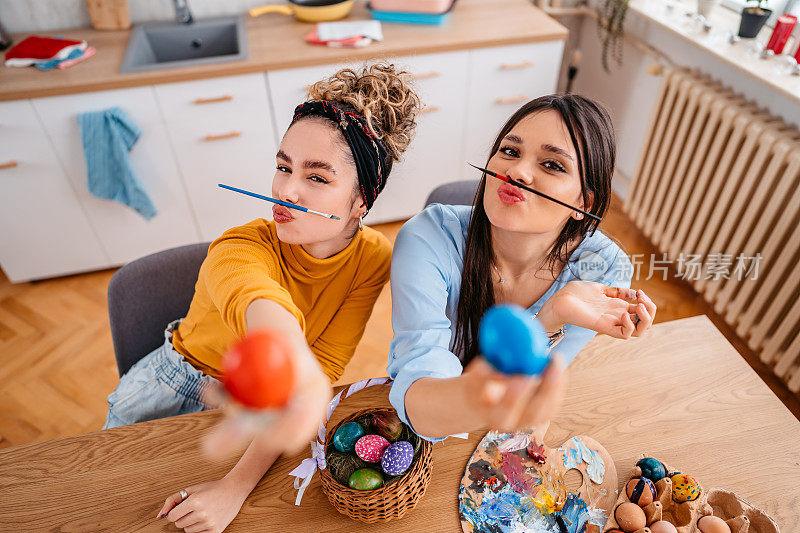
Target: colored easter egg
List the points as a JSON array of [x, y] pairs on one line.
[[685, 488], [512, 341], [640, 491], [366, 479], [347, 435], [258, 370], [662, 526], [652, 469], [630, 517], [712, 524], [370, 448], [397, 458], [387, 425]]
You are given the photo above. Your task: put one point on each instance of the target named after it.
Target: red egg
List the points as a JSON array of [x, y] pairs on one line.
[[370, 448], [258, 370]]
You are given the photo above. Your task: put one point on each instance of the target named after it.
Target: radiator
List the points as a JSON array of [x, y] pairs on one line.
[[719, 179]]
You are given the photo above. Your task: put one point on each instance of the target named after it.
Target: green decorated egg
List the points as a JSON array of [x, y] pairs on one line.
[[366, 479], [652, 469], [346, 436], [685, 488]]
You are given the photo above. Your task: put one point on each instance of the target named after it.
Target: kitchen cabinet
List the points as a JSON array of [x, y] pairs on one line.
[[222, 131], [45, 229], [227, 129], [122, 232]]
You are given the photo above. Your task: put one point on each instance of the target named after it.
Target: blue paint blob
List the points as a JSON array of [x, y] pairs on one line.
[[512, 341]]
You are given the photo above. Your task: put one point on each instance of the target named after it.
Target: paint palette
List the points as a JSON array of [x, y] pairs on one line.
[[514, 484]]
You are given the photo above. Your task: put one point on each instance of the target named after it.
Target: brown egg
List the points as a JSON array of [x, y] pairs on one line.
[[630, 517], [662, 526], [712, 524]]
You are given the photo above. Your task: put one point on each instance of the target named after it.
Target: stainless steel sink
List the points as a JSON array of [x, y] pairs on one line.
[[160, 45]]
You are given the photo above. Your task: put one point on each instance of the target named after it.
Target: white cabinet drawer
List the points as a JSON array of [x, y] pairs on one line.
[[501, 80], [241, 154], [213, 101], [60, 113], [43, 229], [124, 233], [434, 156]]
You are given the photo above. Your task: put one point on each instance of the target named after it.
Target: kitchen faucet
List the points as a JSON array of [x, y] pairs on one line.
[[182, 12]]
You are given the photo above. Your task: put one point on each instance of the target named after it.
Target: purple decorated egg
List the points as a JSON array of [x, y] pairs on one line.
[[370, 448], [397, 458]]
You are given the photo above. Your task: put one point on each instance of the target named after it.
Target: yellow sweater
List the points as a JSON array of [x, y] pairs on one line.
[[331, 298]]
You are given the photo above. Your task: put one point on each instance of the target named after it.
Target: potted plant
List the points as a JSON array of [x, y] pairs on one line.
[[610, 21], [753, 19]]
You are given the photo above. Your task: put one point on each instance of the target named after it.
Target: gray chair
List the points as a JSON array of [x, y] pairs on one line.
[[454, 193], [147, 294]]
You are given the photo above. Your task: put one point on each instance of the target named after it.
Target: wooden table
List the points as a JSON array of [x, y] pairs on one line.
[[681, 393]]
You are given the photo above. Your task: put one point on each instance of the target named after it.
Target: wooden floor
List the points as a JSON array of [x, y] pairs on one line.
[[57, 361]]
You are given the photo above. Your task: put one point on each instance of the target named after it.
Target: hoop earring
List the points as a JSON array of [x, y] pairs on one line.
[[360, 223]]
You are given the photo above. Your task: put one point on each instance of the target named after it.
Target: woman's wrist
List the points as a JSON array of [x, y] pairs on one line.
[[548, 317]]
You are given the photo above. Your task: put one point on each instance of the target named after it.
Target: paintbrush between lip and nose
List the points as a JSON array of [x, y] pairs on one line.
[[534, 191], [279, 202]]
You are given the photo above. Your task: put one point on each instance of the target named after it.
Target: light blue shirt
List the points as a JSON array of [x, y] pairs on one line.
[[427, 261]]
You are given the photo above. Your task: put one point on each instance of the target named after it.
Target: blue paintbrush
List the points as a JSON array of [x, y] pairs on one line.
[[279, 202]]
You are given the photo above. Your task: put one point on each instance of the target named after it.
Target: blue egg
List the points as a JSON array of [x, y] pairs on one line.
[[513, 341], [346, 436], [652, 469], [397, 458]]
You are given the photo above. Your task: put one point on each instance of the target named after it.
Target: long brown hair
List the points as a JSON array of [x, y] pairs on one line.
[[592, 135]]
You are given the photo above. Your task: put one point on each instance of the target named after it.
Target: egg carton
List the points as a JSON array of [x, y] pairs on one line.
[[740, 516]]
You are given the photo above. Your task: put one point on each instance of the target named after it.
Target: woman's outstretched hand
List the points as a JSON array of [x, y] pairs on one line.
[[512, 402], [613, 311]]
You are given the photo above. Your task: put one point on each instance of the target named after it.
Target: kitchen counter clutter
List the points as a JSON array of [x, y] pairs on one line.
[[222, 123], [276, 42]]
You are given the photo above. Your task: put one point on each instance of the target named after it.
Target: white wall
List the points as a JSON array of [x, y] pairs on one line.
[[629, 92], [20, 16]]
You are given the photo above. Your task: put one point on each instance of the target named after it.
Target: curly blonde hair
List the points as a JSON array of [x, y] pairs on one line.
[[382, 95]]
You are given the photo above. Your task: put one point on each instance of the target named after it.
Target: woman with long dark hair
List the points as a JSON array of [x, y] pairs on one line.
[[451, 263]]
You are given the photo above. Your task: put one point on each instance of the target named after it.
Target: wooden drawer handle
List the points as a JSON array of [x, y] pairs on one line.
[[516, 66], [430, 109], [426, 75], [8, 164], [214, 100], [513, 100], [222, 136]]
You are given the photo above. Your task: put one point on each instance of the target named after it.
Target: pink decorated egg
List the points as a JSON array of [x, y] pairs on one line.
[[370, 448]]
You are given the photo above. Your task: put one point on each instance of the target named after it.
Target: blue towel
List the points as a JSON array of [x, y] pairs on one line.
[[107, 137]]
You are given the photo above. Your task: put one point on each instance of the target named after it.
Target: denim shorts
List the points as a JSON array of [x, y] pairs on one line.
[[160, 384]]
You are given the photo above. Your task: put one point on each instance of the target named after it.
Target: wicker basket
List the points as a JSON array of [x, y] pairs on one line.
[[385, 503]]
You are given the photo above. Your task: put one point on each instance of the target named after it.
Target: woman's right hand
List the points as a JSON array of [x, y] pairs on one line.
[[512, 402]]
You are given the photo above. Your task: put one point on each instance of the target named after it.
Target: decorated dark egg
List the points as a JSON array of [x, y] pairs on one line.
[[370, 448], [641, 491], [652, 469], [387, 425], [397, 458], [347, 435], [366, 479]]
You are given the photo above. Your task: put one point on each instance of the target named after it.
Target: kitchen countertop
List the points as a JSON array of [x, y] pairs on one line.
[[276, 42]]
